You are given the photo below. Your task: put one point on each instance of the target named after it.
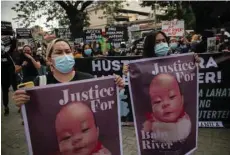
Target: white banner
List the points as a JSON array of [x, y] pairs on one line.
[[173, 28], [209, 124]]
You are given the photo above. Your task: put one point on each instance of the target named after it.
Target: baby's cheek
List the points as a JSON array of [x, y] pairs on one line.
[[65, 146], [156, 108], [176, 103], [91, 137]]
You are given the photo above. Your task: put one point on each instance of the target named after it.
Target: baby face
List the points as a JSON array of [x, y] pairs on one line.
[[77, 133], [166, 99]]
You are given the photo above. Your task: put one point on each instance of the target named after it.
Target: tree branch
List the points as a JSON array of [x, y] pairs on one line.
[[62, 4], [85, 4], [77, 3], [69, 3]]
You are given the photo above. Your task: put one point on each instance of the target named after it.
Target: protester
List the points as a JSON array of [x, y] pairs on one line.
[[40, 56], [8, 75], [225, 46], [97, 49], [88, 51], [184, 45], [29, 64], [156, 45], [123, 51], [60, 57], [174, 45], [195, 41]]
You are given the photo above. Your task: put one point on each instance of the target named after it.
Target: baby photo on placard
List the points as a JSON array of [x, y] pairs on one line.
[[74, 119], [164, 98]]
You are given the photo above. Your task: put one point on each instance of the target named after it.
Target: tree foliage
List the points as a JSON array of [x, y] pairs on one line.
[[198, 15], [174, 10], [68, 13]]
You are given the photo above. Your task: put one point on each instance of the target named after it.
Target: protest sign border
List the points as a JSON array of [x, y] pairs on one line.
[[156, 58], [24, 114], [132, 103]]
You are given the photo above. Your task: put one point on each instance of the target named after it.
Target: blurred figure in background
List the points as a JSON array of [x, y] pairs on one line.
[[123, 51], [88, 51], [29, 64], [77, 50], [97, 49], [195, 41], [8, 75], [184, 45], [174, 45], [41, 57], [225, 47]]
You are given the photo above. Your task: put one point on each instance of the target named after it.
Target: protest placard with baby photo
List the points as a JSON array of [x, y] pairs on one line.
[[77, 118], [165, 104]]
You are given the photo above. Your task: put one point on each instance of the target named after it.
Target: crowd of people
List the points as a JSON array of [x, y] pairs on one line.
[[56, 61]]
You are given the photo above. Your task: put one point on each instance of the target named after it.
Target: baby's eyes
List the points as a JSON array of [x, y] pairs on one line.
[[65, 138], [85, 130], [156, 101], [172, 97]]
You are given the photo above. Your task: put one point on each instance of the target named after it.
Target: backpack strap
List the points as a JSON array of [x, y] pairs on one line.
[[42, 80]]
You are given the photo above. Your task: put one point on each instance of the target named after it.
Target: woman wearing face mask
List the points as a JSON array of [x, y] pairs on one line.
[[60, 57], [97, 49], [174, 45], [88, 51], [156, 45]]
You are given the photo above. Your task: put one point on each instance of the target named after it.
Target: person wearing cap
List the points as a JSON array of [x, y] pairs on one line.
[[61, 59]]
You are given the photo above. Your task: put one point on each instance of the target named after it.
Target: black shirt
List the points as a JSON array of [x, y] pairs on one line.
[[7, 68], [29, 71], [51, 79]]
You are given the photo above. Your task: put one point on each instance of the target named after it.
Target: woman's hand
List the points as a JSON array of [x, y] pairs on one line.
[[119, 81], [197, 58], [125, 69], [20, 97], [28, 56]]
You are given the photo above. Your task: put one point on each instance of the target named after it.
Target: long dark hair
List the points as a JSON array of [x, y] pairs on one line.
[[150, 42], [83, 50]]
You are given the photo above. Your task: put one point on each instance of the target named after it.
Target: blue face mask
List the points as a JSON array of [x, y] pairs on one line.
[[173, 45], [161, 49], [65, 63], [88, 52]]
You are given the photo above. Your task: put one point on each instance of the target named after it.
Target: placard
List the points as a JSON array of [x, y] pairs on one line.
[[80, 117], [63, 33], [117, 34], [92, 35], [6, 28], [173, 28], [165, 104], [23, 33]]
